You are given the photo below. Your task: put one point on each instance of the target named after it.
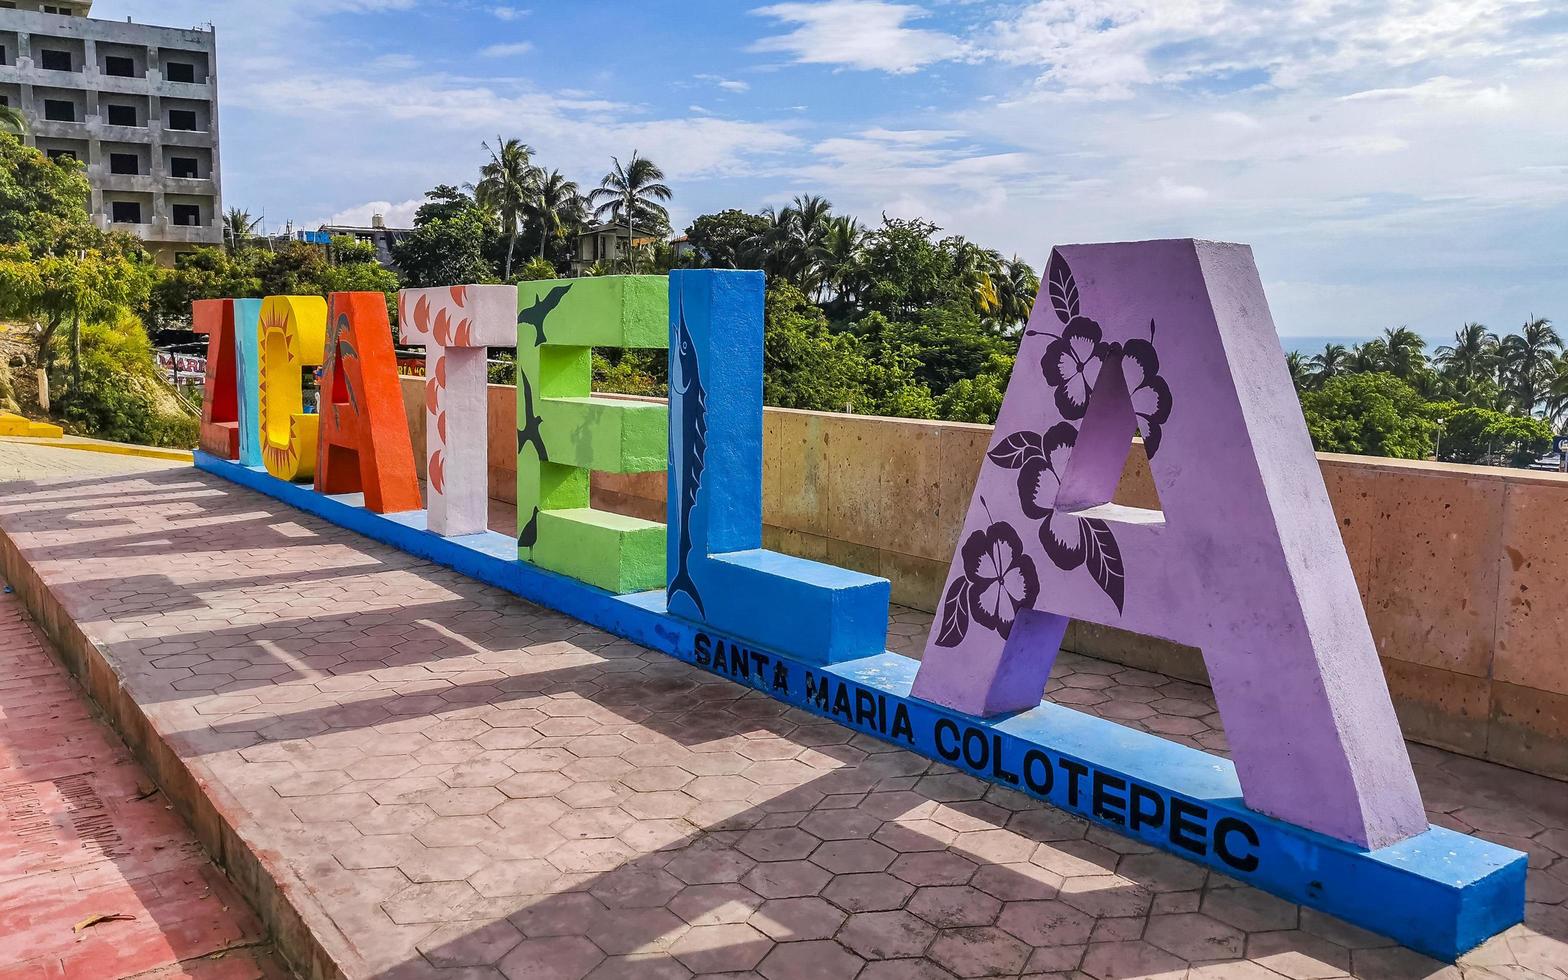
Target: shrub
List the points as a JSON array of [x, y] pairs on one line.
[[122, 396]]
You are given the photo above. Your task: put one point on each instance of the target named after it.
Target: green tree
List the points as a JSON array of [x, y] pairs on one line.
[[632, 194], [725, 240], [556, 207], [1016, 289], [805, 364], [507, 187], [1374, 414], [1470, 359], [238, 226], [1527, 359], [447, 245], [1332, 361], [12, 120], [1472, 434]]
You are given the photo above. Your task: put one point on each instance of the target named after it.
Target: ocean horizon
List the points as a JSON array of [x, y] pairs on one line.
[[1308, 346]]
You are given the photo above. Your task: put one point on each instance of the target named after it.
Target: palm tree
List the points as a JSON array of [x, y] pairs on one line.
[[1472, 355], [237, 228], [1406, 352], [777, 247], [1556, 391], [837, 257], [1300, 368], [978, 268], [555, 203], [1370, 356], [1329, 362], [1526, 358], [506, 187], [631, 194], [12, 120], [1016, 289]]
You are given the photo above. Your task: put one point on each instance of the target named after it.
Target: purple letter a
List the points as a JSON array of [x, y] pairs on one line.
[[1173, 339]]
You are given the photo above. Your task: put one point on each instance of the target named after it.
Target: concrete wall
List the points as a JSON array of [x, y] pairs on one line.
[[1462, 568]]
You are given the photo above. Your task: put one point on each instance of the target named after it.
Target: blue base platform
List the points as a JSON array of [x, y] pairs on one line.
[[1439, 892]]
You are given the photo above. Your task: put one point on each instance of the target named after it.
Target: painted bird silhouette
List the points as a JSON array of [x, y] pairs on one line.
[[529, 536], [530, 433], [543, 307]]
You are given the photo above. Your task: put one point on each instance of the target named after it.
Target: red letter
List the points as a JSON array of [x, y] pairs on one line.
[[364, 443], [220, 409]]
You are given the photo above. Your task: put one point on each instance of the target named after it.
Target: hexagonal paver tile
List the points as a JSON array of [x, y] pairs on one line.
[[709, 865], [593, 855], [528, 876], [627, 931], [793, 919], [428, 902], [952, 906], [720, 949], [1195, 937], [854, 856], [716, 904], [810, 960], [886, 935], [470, 943], [1133, 959], [1046, 923], [871, 892], [934, 868], [980, 951], [786, 879], [780, 844], [551, 958], [566, 914], [636, 886]]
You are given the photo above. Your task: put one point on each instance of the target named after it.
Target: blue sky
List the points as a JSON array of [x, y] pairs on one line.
[[1398, 162]]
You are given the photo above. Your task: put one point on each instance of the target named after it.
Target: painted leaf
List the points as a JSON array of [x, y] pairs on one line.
[[955, 613], [1103, 558], [1017, 449], [1062, 288]]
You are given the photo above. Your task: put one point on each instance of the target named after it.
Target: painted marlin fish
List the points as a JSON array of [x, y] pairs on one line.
[[690, 401]]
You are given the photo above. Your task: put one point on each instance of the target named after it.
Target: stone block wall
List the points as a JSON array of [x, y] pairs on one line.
[[1462, 568]]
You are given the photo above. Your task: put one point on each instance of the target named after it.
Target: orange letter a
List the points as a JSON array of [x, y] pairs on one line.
[[364, 443]]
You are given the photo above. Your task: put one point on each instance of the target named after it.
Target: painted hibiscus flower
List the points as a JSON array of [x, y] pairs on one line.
[[1001, 577], [1072, 363], [1151, 396], [1061, 534]]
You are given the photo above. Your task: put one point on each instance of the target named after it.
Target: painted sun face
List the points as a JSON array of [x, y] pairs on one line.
[[292, 335]]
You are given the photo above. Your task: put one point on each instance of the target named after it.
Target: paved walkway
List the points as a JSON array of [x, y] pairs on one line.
[[461, 784], [20, 460], [84, 834]]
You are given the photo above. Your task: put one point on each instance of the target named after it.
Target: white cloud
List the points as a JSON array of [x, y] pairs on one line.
[[863, 34], [509, 13], [727, 84], [1111, 48], [400, 215], [507, 50]]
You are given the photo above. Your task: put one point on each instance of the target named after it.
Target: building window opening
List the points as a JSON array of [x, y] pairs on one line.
[[54, 60], [59, 110], [187, 214], [182, 119], [122, 115], [183, 167], [124, 163], [119, 67], [180, 71], [126, 212]]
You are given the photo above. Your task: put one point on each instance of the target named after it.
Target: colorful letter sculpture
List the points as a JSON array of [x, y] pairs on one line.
[[292, 338], [718, 572], [1173, 339], [220, 396], [564, 431], [456, 325], [247, 340], [364, 444]]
